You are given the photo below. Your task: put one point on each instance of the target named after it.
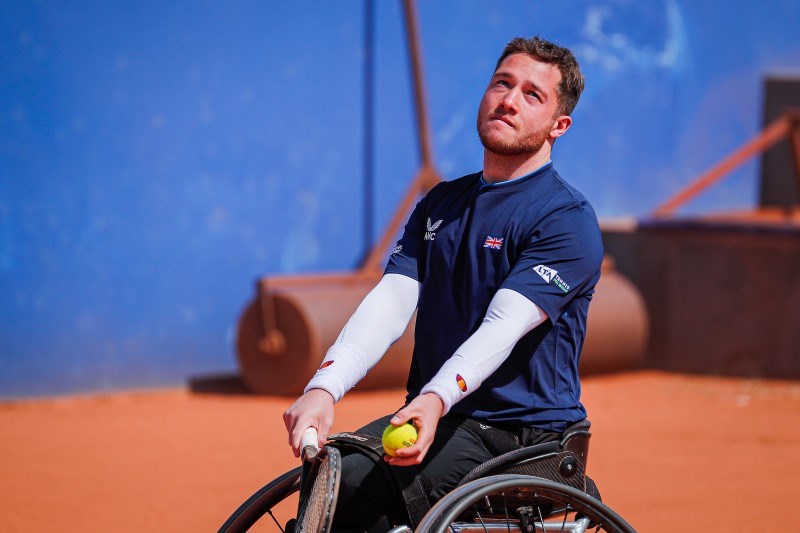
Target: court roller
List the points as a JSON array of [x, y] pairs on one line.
[[286, 329]]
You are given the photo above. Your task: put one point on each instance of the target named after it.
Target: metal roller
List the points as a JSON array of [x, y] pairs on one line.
[[286, 330], [617, 327]]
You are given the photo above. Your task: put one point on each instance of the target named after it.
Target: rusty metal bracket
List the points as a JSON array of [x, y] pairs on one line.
[[785, 125]]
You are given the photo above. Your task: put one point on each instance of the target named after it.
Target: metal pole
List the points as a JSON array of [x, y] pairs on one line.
[[369, 133], [420, 105]]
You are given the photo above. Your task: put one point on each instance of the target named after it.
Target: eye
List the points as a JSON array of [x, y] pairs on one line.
[[534, 94]]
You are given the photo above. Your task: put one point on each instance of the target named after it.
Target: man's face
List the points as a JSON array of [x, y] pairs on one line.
[[518, 109]]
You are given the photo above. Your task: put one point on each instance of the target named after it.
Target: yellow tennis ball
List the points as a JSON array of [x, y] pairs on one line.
[[398, 437]]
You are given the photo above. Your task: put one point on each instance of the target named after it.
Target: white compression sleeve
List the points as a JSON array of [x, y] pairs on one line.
[[378, 322], [509, 317]]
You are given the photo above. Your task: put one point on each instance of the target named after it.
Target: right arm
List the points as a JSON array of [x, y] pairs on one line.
[[378, 322]]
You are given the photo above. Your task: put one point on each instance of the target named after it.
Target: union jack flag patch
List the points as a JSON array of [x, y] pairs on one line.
[[493, 242]]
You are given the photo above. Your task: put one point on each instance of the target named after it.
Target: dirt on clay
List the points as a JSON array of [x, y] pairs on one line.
[[669, 453]]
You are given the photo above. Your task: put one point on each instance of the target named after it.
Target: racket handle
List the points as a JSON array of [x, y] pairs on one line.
[[309, 444]]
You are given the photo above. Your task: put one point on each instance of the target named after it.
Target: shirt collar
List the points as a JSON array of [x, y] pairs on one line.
[[512, 180]]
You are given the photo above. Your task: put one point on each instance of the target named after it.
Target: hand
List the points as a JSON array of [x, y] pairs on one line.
[[425, 410], [312, 409]]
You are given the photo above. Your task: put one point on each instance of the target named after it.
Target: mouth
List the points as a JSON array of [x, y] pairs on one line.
[[504, 119]]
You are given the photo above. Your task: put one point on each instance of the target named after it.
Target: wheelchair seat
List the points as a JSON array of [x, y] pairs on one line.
[[562, 461]]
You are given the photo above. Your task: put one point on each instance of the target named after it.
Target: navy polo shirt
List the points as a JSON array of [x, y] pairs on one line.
[[536, 235]]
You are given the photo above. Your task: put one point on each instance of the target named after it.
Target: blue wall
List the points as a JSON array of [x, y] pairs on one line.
[[157, 158]]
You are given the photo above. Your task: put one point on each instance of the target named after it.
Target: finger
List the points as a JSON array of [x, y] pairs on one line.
[[290, 437], [323, 430], [295, 444], [417, 450], [288, 421], [296, 436], [405, 461], [411, 455]]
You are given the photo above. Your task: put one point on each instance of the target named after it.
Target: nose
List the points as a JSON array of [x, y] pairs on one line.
[[510, 100]]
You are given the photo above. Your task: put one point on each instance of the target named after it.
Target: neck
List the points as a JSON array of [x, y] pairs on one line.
[[498, 168]]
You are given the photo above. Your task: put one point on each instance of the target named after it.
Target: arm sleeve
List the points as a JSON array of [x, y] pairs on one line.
[[378, 322], [509, 317]]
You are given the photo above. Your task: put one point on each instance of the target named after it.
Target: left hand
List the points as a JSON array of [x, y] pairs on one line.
[[425, 410]]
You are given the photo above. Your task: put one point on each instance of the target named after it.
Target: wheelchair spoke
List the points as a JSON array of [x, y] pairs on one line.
[[269, 512], [539, 512], [505, 510], [481, 520]]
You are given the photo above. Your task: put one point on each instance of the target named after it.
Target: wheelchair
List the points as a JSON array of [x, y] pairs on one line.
[[542, 487]]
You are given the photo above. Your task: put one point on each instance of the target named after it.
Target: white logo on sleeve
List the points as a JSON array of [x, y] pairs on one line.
[[431, 233], [546, 272], [551, 276]]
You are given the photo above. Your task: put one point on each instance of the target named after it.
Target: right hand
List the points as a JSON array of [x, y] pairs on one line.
[[312, 409], [425, 411]]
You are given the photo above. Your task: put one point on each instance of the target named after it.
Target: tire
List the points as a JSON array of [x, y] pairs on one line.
[[498, 499], [262, 501]]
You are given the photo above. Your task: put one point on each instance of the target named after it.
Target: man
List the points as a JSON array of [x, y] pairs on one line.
[[500, 266]]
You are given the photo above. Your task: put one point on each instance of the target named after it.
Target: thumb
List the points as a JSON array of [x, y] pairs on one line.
[[400, 418]]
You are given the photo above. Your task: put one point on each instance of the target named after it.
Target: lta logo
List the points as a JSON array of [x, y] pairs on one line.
[[551, 276]]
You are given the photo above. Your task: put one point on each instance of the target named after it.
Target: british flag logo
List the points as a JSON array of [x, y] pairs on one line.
[[494, 243]]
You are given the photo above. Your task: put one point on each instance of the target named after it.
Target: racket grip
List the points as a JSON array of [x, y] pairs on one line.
[[309, 444]]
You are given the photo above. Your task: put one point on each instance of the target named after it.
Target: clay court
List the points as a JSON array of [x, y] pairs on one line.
[[669, 452]]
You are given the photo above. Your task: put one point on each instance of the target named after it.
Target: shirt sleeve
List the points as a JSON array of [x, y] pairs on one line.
[[407, 256], [561, 259]]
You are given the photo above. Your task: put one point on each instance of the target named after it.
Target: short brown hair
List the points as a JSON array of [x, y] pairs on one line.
[[572, 82]]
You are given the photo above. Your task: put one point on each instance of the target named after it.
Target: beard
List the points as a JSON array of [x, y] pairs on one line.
[[529, 144]]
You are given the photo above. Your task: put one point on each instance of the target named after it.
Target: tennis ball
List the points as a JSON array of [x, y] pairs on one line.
[[398, 437]]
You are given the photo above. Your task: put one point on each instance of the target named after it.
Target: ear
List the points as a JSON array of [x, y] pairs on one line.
[[560, 126]]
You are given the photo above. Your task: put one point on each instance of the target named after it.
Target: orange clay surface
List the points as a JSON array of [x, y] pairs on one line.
[[669, 453]]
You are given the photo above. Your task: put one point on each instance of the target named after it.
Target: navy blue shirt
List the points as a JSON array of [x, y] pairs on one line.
[[536, 235]]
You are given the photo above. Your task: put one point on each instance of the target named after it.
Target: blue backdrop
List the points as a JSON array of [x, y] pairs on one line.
[[157, 158]]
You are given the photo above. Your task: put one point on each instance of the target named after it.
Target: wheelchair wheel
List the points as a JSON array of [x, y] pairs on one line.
[[519, 503], [262, 502]]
